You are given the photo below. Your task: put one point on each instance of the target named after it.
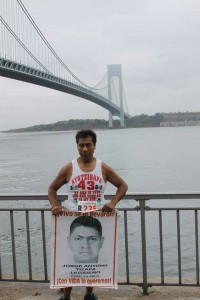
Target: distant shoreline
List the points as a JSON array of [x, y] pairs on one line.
[[140, 121]]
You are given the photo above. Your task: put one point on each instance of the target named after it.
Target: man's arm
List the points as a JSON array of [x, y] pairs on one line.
[[56, 184], [111, 176]]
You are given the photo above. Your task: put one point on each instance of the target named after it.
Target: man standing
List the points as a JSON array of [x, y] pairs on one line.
[[86, 178]]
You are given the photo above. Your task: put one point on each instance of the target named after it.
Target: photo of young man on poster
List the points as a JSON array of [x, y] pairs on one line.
[[85, 239]]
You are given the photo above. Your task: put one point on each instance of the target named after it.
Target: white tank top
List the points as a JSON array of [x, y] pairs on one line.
[[86, 189]]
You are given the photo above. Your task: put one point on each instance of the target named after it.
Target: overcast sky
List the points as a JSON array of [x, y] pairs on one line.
[[157, 43]]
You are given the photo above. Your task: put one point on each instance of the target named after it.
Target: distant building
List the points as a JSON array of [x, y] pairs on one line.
[[180, 123]]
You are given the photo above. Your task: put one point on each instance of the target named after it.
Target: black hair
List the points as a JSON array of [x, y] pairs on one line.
[[86, 221], [84, 133]]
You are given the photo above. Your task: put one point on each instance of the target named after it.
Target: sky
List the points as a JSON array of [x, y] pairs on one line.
[[157, 43]]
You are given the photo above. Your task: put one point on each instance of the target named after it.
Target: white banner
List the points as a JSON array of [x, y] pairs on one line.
[[84, 249]]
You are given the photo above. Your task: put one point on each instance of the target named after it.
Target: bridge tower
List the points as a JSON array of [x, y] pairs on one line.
[[115, 70]]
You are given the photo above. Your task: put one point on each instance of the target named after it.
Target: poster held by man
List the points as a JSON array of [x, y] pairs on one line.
[[84, 249]]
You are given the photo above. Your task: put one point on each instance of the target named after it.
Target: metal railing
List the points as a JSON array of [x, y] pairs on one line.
[[152, 247]]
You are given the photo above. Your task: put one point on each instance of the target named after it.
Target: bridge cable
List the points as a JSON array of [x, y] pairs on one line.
[[124, 94], [22, 44], [49, 46], [101, 81]]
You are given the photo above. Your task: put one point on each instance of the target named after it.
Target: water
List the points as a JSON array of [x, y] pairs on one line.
[[149, 159]]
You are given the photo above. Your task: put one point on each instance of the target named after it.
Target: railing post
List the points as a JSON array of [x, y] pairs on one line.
[[13, 245], [44, 245], [197, 246], [28, 245], [144, 253], [126, 246]]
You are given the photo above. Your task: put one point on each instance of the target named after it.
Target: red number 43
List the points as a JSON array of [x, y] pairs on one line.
[[90, 185]]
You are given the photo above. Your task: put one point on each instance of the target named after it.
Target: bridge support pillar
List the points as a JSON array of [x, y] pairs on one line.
[[115, 70], [110, 120]]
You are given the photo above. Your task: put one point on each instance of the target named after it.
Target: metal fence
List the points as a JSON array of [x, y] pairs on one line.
[[159, 239]]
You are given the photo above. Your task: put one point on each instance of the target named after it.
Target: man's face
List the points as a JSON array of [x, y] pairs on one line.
[[85, 243], [86, 148]]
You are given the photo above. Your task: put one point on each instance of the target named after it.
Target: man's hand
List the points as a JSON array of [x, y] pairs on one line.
[[56, 210], [108, 207]]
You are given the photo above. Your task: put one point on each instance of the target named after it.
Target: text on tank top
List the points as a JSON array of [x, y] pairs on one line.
[[86, 189]]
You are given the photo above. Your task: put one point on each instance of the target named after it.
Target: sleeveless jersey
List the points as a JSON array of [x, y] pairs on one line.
[[86, 189]]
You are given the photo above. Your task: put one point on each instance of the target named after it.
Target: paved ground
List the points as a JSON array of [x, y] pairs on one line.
[[37, 291]]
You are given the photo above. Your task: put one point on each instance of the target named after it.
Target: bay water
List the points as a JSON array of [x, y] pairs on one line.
[[149, 159]]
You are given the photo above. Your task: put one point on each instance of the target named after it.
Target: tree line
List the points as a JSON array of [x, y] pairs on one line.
[[138, 121]]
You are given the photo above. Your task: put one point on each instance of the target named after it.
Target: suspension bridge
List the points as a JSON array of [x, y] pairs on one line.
[[26, 55]]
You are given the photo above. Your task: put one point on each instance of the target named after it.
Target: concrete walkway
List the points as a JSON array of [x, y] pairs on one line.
[[124, 294], [41, 291]]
